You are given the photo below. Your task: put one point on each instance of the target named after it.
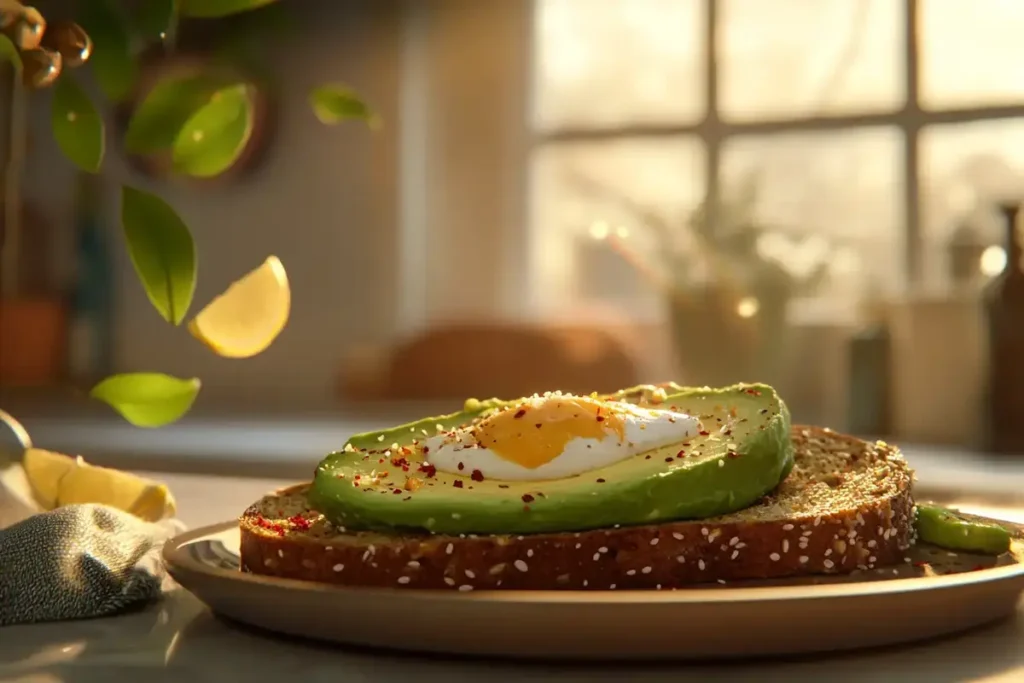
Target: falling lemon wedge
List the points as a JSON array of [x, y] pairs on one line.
[[248, 316], [57, 480]]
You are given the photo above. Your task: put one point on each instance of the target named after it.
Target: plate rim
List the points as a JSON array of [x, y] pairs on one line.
[[175, 560]]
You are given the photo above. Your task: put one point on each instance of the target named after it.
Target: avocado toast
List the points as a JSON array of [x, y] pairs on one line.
[[734, 492]]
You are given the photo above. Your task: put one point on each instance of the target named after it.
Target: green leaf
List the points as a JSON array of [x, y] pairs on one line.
[[335, 103], [211, 9], [215, 136], [147, 399], [77, 126], [158, 120], [9, 53], [162, 251], [154, 18], [112, 61]]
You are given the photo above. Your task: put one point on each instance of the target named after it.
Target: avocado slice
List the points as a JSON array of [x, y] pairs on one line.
[[380, 481], [949, 529]]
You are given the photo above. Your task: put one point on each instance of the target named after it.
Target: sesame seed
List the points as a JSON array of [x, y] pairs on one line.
[[775, 557], [280, 553], [403, 579], [741, 545], [602, 549], [330, 548], [585, 583], [611, 587], [413, 564], [500, 567], [597, 556], [721, 463], [704, 531], [630, 572], [520, 565], [700, 563], [828, 552], [654, 541], [721, 581], [829, 564], [449, 580], [645, 570], [470, 574], [804, 559], [787, 527], [529, 552], [448, 549], [676, 535], [806, 534], [785, 545], [735, 553], [734, 540], [872, 559], [680, 559], [465, 587], [338, 567], [578, 546]]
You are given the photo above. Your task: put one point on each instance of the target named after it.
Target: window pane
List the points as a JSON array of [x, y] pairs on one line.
[[618, 61], [971, 52], [788, 58], [828, 206], [591, 201], [965, 169]]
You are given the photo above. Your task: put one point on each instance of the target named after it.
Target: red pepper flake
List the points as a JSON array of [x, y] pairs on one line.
[[457, 483], [428, 470], [681, 454], [600, 418], [600, 481], [753, 392], [647, 457], [399, 462], [426, 449], [502, 486], [299, 522], [519, 413], [271, 526], [527, 498], [669, 459], [537, 425], [357, 477], [461, 467], [733, 454], [920, 564], [397, 492], [704, 433], [477, 475]]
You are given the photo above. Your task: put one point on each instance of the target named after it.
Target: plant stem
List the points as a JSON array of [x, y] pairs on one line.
[[16, 143]]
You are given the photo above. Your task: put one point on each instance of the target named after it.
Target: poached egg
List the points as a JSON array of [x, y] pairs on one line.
[[555, 436]]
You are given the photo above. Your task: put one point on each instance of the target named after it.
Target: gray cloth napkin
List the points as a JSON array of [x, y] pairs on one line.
[[74, 562]]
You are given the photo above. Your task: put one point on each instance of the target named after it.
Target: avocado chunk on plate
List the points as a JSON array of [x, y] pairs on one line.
[[383, 480]]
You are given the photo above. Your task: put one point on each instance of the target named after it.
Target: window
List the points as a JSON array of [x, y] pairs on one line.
[[846, 139]]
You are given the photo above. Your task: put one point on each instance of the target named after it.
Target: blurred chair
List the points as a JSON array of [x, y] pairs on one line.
[[480, 360]]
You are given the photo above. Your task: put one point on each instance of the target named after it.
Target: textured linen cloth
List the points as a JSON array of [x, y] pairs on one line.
[[74, 562]]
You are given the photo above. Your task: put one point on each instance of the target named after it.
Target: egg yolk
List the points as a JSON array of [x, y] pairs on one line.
[[532, 434]]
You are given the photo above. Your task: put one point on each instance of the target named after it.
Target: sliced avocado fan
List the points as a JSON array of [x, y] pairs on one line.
[[381, 481]]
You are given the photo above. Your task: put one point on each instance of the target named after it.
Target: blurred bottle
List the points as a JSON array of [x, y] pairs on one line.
[[1004, 311], [870, 378], [89, 345]]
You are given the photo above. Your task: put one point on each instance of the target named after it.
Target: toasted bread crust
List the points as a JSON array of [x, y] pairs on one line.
[[847, 505]]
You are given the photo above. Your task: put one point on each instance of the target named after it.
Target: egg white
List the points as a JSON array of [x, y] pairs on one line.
[[644, 430]]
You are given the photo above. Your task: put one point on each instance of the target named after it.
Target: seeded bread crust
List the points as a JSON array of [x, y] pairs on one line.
[[846, 505]]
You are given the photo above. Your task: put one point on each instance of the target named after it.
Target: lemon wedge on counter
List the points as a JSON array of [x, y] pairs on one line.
[[57, 479], [248, 316]]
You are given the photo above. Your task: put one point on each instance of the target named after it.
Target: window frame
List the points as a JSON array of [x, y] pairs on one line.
[[715, 132]]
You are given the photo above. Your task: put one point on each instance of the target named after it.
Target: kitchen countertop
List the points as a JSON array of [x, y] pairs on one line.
[[179, 640]]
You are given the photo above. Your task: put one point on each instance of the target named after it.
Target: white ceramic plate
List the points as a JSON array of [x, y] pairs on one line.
[[738, 620]]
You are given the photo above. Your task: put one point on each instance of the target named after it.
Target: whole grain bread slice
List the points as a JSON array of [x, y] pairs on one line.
[[846, 505]]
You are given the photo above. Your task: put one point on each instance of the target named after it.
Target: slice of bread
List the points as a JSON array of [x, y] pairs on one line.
[[846, 505]]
